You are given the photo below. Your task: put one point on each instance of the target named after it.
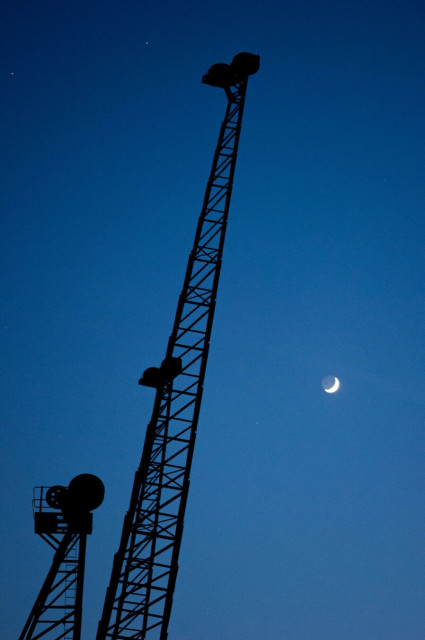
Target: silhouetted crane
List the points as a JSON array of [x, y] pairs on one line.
[[62, 517], [140, 593]]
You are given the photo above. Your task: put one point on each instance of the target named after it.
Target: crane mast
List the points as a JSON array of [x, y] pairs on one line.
[[139, 596], [63, 518]]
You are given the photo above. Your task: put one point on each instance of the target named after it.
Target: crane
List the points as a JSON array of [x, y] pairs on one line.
[[63, 518], [140, 593]]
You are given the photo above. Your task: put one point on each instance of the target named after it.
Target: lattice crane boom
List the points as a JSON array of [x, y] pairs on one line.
[[139, 597], [63, 518]]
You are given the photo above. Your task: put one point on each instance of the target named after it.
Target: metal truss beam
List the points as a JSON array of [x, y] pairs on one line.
[[63, 518], [57, 610], [139, 597]]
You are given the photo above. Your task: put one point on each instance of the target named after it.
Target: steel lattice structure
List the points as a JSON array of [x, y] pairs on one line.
[[63, 519], [139, 597], [56, 613]]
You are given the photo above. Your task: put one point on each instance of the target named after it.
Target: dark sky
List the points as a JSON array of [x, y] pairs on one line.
[[305, 518]]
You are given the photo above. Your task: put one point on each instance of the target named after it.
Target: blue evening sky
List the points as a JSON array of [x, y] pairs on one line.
[[305, 518]]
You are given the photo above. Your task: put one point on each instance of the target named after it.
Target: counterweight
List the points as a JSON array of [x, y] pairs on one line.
[[139, 597]]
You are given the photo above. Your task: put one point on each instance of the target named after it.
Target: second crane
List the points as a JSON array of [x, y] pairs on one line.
[[140, 593]]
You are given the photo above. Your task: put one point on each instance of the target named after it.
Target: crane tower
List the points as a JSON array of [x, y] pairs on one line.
[[63, 518], [139, 596]]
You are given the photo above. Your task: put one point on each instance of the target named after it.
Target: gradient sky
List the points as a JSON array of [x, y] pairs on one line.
[[305, 518]]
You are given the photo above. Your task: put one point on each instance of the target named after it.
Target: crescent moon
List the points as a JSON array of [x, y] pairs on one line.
[[334, 387]]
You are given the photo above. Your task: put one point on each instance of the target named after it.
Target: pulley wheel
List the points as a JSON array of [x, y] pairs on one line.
[[55, 496]]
